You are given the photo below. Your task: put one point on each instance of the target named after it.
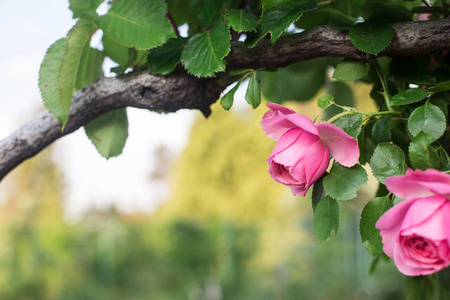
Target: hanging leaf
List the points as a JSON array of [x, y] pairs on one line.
[[77, 39], [343, 95], [117, 52], [227, 100], [440, 87], [427, 118], [278, 19], [350, 69], [137, 24], [82, 8], [109, 132], [325, 101], [253, 94], [342, 183], [48, 74], [241, 21], [370, 236], [298, 82], [326, 218], [387, 160], [269, 4], [203, 55], [318, 192], [381, 130], [409, 96], [209, 12], [372, 36], [351, 124], [90, 68], [422, 154], [163, 60]]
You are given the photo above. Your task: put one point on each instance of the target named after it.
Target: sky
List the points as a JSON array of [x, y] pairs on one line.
[[27, 30]]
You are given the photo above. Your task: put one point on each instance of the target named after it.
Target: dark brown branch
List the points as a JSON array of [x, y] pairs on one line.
[[179, 90], [410, 38], [169, 93]]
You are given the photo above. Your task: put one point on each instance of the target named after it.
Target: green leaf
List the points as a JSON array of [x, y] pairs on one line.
[[240, 20], [442, 101], [443, 277], [387, 160], [253, 94], [351, 124], [269, 4], [48, 74], [109, 132], [427, 118], [227, 100], [278, 19], [422, 155], [298, 82], [90, 68], [366, 143], [77, 39], [409, 96], [418, 288], [350, 69], [137, 24], [117, 52], [342, 183], [81, 8], [381, 130], [203, 55], [371, 36], [325, 101], [209, 12], [370, 236], [343, 95], [163, 60], [318, 192], [440, 87], [326, 218]]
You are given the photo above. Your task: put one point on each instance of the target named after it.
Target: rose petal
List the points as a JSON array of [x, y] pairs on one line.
[[286, 141], [403, 262], [389, 224], [317, 160], [418, 184], [297, 150], [406, 264], [342, 146], [298, 190], [425, 218], [280, 119]]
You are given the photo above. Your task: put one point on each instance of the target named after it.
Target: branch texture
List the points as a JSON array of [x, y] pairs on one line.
[[179, 90]]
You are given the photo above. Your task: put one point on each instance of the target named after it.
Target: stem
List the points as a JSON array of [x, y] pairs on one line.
[[385, 92], [334, 118], [350, 110]]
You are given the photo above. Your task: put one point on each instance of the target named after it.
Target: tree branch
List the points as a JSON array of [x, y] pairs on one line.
[[410, 38], [179, 90]]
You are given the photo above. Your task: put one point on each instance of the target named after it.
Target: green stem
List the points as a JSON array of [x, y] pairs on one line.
[[385, 92], [334, 118], [351, 110]]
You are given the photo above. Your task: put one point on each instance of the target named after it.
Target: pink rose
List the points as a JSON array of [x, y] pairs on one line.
[[302, 153], [416, 232]]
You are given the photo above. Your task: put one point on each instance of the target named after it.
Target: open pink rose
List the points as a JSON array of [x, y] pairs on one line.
[[416, 232], [302, 153]]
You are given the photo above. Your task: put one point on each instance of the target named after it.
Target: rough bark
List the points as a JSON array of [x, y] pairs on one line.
[[179, 90]]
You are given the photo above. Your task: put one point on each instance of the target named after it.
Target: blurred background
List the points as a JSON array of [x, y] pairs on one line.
[[188, 211]]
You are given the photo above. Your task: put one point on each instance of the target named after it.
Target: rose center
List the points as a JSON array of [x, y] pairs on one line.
[[423, 248]]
